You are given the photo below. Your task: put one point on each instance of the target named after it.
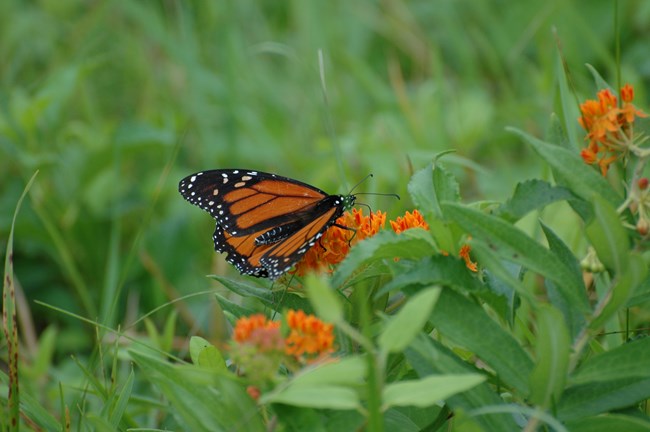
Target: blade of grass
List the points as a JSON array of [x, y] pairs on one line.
[[10, 324]]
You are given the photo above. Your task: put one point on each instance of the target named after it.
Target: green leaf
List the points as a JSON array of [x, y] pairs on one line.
[[630, 360], [403, 327], [321, 396], [500, 268], [571, 171], [122, 401], [233, 308], [512, 244], [641, 293], [348, 371], [532, 195], [323, 299], [265, 295], [430, 357], [608, 237], [610, 423], [435, 270], [422, 192], [467, 324], [203, 353], [202, 399], [568, 102], [432, 185], [429, 390], [553, 346], [33, 408], [623, 288], [411, 244], [601, 397], [601, 84], [574, 318], [10, 324]]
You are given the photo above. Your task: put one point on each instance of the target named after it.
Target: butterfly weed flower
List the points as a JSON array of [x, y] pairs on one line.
[[260, 346], [309, 338], [257, 347], [609, 127], [410, 220], [336, 242]]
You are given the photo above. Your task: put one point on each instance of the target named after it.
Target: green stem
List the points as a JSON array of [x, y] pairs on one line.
[[375, 419]]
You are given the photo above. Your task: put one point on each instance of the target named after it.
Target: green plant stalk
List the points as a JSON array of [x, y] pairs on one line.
[[11, 421], [375, 419]]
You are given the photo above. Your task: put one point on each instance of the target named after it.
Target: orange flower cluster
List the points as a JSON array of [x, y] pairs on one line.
[[259, 331], [308, 336], [608, 126], [335, 243], [410, 220]]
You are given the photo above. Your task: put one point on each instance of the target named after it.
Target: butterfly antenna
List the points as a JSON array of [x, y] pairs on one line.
[[362, 180], [379, 194]]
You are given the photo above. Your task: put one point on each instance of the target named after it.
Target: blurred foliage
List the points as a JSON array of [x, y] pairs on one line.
[[113, 102]]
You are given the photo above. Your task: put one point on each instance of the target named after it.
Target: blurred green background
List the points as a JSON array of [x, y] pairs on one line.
[[115, 101]]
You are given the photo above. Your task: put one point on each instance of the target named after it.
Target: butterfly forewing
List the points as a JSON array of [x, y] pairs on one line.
[[245, 201]]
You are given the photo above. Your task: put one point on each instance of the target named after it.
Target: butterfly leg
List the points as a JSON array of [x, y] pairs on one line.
[[347, 229]]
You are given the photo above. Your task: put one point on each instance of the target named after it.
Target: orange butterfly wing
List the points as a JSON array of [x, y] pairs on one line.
[[265, 222]]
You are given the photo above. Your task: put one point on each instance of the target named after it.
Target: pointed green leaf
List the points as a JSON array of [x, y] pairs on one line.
[[623, 288], [203, 353], [429, 390], [264, 294], [570, 170], [411, 244], [630, 360], [349, 371], [203, 399], [610, 423], [467, 324], [601, 397], [10, 324], [512, 244], [532, 195], [430, 357], [422, 193], [553, 346], [435, 270], [324, 299], [568, 102], [403, 327], [122, 401], [321, 396], [608, 237]]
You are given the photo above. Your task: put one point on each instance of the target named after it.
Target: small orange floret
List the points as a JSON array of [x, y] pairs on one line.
[[308, 336], [335, 243], [410, 220], [627, 93], [464, 254], [608, 127], [245, 327]]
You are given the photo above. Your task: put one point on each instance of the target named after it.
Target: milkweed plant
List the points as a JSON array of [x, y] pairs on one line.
[[452, 315]]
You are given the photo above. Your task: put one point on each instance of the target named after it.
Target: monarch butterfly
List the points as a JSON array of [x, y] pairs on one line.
[[265, 222]]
